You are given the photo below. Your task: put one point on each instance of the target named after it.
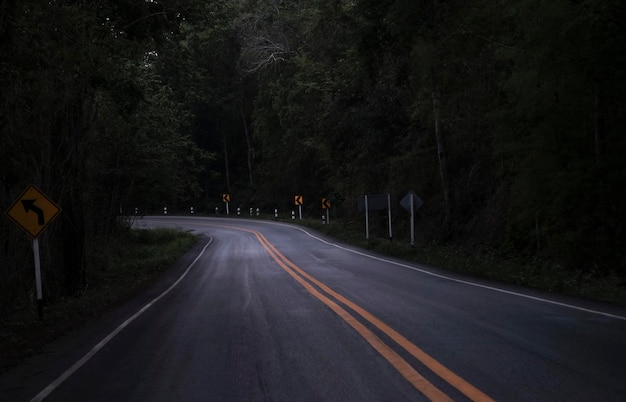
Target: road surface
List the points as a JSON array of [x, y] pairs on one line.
[[263, 311]]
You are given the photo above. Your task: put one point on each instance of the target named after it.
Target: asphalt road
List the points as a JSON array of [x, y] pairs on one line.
[[261, 311]]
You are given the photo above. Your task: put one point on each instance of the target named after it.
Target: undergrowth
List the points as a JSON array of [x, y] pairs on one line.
[[488, 264], [117, 269]]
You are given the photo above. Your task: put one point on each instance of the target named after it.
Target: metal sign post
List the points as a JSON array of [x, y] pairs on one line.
[[33, 211], [298, 201], [38, 277], [326, 206], [375, 202], [411, 202], [226, 200]]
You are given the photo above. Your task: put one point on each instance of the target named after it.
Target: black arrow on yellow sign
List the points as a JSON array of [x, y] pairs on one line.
[[29, 205], [298, 200], [33, 211], [325, 203]]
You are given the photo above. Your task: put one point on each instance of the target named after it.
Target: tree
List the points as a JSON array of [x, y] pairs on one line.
[[77, 98], [565, 84]]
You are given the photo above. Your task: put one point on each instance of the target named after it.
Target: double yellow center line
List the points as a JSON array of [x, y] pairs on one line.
[[326, 295]]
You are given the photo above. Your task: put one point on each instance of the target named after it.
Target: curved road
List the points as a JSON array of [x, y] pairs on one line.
[[262, 311]]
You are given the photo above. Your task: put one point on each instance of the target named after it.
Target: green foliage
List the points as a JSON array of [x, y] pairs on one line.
[[86, 116], [530, 104], [118, 269], [565, 101], [506, 117], [528, 115], [489, 264]]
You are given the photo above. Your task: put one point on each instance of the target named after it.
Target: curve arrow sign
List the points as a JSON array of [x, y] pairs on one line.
[[29, 205], [33, 211]]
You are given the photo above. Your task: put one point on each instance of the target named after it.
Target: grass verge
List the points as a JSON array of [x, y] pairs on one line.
[[117, 270], [488, 264], [127, 264]]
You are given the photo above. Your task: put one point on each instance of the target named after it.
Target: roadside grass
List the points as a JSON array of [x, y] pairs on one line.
[[127, 264], [116, 271], [488, 264]]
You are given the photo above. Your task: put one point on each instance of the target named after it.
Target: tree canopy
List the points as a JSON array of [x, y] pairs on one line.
[[506, 117]]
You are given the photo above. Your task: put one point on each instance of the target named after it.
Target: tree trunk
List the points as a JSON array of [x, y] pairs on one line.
[[72, 157], [598, 123], [250, 150], [441, 153], [7, 8], [73, 233], [226, 164]]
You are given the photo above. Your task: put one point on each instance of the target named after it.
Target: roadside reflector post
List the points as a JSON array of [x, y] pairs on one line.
[[251, 211], [164, 210], [238, 211], [293, 215], [191, 210], [276, 213], [217, 210], [258, 211]]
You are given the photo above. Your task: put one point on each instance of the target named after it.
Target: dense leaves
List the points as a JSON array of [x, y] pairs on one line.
[[86, 118], [506, 117]]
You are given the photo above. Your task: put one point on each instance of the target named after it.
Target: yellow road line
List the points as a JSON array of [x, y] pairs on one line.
[[453, 379], [400, 364]]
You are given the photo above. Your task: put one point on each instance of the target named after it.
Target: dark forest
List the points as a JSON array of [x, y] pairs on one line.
[[508, 119]]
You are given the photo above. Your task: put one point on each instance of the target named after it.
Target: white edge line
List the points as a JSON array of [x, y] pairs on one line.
[[495, 289], [509, 292], [424, 271], [54, 384]]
